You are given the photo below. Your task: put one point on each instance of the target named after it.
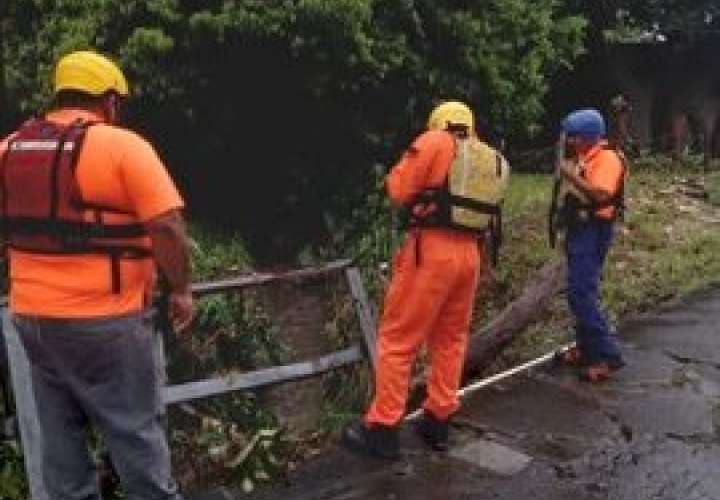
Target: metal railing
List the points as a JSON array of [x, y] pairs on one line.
[[234, 381]]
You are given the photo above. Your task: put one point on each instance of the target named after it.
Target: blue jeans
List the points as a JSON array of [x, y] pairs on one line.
[[100, 372], [586, 246]]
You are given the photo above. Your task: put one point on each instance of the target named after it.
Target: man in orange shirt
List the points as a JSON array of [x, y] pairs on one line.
[[430, 298], [89, 211], [599, 181]]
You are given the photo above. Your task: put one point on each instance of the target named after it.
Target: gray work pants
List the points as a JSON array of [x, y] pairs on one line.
[[99, 372]]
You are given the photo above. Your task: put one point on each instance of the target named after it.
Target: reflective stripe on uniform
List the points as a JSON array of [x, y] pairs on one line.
[[40, 145]]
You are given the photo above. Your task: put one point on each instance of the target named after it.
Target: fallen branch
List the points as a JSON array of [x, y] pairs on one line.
[[486, 344]]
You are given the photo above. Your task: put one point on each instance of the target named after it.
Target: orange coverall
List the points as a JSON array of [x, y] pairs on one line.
[[431, 295]]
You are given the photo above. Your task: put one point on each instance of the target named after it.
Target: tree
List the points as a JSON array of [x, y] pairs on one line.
[[669, 17], [648, 20], [273, 112]]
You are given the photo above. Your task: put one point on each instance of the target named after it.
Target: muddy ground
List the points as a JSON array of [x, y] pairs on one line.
[[653, 432]]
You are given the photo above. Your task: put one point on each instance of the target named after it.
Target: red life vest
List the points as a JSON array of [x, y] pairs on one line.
[[41, 207]]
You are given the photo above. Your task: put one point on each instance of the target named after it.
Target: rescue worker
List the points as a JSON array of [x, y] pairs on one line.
[[88, 212], [596, 178], [431, 295]]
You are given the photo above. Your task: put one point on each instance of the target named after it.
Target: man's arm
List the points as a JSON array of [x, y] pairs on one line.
[[410, 175], [171, 251], [596, 194], [601, 182]]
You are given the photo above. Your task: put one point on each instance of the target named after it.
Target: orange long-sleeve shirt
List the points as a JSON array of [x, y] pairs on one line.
[[424, 165]]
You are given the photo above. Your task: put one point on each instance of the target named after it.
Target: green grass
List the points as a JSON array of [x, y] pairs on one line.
[[712, 184], [527, 192], [13, 485], [215, 255], [525, 210]]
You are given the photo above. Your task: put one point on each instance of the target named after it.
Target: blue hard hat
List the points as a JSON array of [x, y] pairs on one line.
[[586, 123]]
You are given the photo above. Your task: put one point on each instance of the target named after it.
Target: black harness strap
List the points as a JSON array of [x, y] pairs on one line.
[[79, 142], [121, 251], [441, 218], [55, 169], [115, 273], [3, 191], [496, 236], [28, 226], [477, 206]]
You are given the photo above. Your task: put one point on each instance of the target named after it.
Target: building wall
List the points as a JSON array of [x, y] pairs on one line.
[[673, 90]]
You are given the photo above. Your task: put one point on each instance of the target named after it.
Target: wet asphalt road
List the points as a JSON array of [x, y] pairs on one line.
[[652, 433]]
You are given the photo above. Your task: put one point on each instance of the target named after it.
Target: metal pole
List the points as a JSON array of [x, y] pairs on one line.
[[365, 312], [160, 364], [500, 376], [26, 409]]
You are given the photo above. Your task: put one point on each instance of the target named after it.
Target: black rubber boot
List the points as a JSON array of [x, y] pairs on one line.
[[379, 441], [433, 431]]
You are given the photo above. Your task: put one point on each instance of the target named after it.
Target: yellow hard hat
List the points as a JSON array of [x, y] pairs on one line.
[[451, 113], [89, 72]]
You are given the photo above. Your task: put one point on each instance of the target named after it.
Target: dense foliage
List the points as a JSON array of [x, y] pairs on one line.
[[13, 484], [669, 17], [646, 21], [273, 112]]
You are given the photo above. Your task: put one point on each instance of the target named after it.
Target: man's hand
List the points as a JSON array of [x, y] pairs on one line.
[[181, 310], [594, 194], [422, 210], [568, 170], [172, 255]]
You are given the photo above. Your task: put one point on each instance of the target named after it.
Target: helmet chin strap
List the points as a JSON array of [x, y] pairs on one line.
[[111, 108], [585, 145], [580, 144], [458, 130]]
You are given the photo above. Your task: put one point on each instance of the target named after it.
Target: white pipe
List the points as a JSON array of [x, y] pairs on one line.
[[500, 376]]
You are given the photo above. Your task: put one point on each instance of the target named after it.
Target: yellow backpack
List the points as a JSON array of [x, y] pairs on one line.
[[477, 179], [471, 198]]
